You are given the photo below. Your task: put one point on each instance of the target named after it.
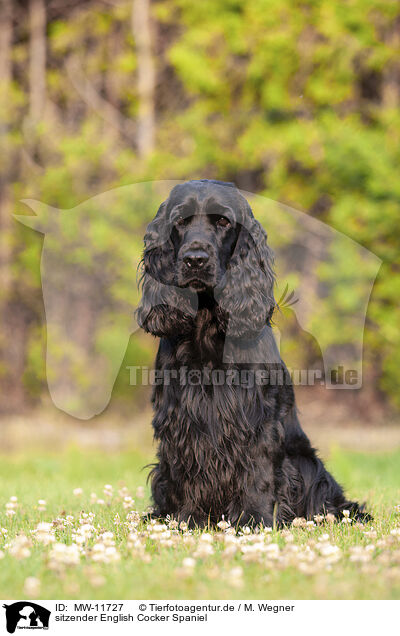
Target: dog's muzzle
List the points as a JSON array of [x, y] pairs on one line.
[[197, 264]]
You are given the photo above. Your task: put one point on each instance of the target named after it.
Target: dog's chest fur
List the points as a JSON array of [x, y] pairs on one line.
[[211, 431]]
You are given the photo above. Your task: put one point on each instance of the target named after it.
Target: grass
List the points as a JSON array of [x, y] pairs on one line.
[[325, 561]]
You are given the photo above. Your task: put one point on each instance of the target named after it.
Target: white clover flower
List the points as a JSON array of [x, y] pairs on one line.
[[63, 555], [229, 538], [252, 552], [235, 576], [158, 527], [137, 547], [84, 533], [19, 547], [236, 572], [98, 552], [107, 538], [189, 563], [256, 538], [223, 525], [359, 555], [97, 580], [86, 517], [370, 534], [160, 535], [31, 587], [132, 520], [77, 492], [167, 543], [111, 554], [272, 551], [288, 536], [331, 553], [140, 492], [346, 517], [308, 568], [44, 533], [299, 522], [204, 549], [188, 540], [128, 502], [133, 540], [108, 490], [123, 492], [230, 550]]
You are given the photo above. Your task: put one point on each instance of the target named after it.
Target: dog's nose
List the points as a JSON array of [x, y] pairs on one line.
[[196, 259]]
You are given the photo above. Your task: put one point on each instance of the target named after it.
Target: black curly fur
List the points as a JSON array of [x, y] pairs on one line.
[[224, 449]]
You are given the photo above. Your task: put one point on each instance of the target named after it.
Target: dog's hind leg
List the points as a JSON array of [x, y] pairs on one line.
[[319, 492]]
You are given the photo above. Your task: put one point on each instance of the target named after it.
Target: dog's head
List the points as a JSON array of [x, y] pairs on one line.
[[205, 242], [204, 232]]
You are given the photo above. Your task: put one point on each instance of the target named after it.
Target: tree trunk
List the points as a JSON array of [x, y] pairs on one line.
[[142, 32], [37, 59], [11, 393], [5, 211], [5, 40], [391, 73]]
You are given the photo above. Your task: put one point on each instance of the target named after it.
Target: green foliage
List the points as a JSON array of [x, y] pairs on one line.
[[290, 99]]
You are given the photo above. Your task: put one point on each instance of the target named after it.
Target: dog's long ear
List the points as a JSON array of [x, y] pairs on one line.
[[164, 309], [246, 298]]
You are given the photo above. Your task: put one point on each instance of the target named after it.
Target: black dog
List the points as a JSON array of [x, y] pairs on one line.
[[226, 446]]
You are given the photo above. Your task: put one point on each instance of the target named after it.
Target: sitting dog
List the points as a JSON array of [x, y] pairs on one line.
[[226, 447]]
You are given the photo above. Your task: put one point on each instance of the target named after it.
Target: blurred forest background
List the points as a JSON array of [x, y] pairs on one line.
[[296, 100]]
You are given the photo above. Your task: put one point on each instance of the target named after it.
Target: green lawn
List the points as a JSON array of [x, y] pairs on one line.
[[331, 561]]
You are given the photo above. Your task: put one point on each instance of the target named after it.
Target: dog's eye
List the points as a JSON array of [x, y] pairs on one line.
[[180, 221], [223, 222]]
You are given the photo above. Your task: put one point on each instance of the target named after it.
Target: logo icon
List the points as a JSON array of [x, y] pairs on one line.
[[26, 615]]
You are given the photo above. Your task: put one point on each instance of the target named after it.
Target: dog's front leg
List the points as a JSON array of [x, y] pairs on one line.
[[163, 494]]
